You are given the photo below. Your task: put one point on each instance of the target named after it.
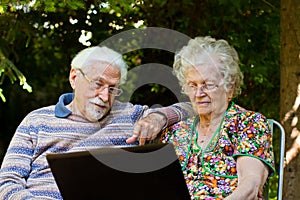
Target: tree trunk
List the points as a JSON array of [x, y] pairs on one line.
[[290, 94]]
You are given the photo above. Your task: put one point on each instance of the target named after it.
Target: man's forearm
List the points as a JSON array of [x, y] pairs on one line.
[[176, 112]]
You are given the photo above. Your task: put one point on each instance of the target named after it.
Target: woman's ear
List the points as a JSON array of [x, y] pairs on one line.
[[230, 93], [230, 96], [72, 77]]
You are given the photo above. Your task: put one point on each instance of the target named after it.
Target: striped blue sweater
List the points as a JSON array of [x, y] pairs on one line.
[[25, 173]]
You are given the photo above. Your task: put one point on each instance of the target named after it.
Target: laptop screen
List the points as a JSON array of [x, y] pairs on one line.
[[150, 172]]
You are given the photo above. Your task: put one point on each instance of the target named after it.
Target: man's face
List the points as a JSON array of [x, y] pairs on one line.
[[92, 98]]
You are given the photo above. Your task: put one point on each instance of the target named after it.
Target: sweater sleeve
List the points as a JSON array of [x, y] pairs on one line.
[[16, 165], [175, 113]]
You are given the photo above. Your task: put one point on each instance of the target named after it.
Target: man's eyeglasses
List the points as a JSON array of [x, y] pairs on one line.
[[193, 88], [99, 86]]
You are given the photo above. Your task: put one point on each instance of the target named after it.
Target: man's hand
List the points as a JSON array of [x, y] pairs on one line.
[[147, 128]]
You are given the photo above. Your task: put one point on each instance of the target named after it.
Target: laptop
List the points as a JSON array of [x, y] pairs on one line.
[[150, 172]]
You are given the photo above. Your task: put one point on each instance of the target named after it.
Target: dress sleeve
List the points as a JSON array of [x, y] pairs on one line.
[[253, 138], [166, 135]]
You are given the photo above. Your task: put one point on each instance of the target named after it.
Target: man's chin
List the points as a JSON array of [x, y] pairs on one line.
[[100, 115], [96, 113], [96, 117]]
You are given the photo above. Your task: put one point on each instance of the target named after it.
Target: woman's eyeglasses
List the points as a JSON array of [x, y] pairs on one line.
[[193, 88]]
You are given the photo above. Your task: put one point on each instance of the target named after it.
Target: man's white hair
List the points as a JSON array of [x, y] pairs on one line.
[[93, 55]]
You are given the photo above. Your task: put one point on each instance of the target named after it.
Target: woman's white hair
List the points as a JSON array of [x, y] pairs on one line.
[[203, 50], [92, 55]]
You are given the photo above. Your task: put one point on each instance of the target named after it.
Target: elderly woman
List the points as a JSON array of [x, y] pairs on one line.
[[225, 150]]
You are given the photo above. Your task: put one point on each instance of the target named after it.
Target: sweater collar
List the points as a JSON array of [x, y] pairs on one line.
[[60, 108]]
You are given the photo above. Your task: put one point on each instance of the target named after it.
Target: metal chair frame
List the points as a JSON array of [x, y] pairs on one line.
[[273, 122]]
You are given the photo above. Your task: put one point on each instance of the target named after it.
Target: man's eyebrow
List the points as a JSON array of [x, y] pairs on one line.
[[103, 80], [100, 78]]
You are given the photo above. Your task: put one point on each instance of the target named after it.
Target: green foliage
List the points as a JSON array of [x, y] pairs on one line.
[[7, 68]]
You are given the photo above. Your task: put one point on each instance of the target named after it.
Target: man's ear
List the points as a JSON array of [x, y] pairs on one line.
[[72, 77]]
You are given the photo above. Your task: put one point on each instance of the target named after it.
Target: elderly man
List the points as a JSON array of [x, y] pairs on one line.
[[88, 118]]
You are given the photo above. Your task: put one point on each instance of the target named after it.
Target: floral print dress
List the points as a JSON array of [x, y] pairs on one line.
[[211, 173]]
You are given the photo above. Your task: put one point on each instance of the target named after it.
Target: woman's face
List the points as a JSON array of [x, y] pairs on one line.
[[204, 86]]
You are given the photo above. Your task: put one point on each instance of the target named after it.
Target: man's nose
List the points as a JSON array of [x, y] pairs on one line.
[[103, 94]]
